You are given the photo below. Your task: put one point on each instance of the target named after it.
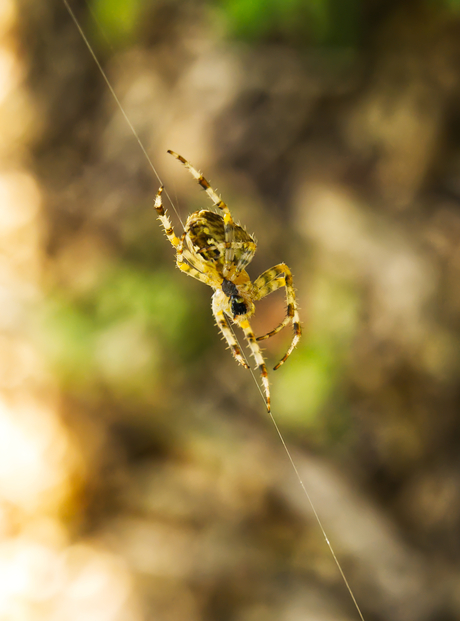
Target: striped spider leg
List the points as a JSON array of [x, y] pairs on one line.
[[178, 244], [218, 202], [271, 280], [216, 251]]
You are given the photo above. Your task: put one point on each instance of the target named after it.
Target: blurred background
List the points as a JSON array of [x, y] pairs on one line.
[[140, 476]]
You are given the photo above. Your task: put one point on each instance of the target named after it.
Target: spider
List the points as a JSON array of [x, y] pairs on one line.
[[216, 251]]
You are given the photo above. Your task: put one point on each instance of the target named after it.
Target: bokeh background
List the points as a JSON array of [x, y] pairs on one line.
[[140, 476]]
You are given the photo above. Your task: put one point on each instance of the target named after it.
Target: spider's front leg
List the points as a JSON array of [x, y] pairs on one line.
[[271, 280], [178, 244], [219, 203]]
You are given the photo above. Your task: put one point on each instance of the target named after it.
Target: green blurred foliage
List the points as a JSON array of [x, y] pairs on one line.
[[327, 23], [453, 5], [312, 379], [321, 22], [118, 20], [121, 333], [332, 23]]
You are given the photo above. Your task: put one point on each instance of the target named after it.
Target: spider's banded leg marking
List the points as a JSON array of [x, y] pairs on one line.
[[218, 202], [270, 281], [256, 352], [222, 323], [274, 285], [178, 244], [216, 199], [265, 290], [164, 219]]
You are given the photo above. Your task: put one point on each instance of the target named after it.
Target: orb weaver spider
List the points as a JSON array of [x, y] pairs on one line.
[[216, 251]]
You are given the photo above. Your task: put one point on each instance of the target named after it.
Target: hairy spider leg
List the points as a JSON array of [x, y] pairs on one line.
[[270, 281], [265, 290], [224, 327], [256, 352], [218, 202], [178, 245]]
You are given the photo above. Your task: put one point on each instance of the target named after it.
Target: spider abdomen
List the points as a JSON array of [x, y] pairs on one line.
[[205, 232]]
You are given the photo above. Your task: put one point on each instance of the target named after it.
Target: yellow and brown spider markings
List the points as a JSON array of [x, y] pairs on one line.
[[215, 250], [205, 231], [269, 281]]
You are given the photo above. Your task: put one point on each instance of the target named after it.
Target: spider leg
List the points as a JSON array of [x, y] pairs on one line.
[[256, 352], [178, 244], [194, 265], [274, 285], [164, 219], [270, 281], [222, 323], [218, 202]]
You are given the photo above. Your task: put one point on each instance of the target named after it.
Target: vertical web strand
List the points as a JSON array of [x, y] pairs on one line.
[[118, 102], [302, 485]]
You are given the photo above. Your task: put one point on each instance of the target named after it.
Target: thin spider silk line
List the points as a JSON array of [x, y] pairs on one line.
[[115, 96], [302, 484], [99, 25], [299, 478]]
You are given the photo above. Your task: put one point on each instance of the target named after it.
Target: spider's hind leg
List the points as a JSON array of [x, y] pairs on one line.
[[271, 280]]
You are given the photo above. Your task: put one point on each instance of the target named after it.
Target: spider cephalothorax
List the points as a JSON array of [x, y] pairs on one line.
[[216, 250]]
